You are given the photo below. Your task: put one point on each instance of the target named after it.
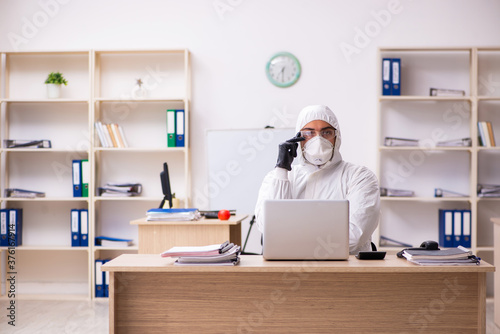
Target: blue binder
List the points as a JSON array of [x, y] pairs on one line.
[[84, 227], [179, 141], [446, 228], [105, 281], [386, 76], [4, 227], [466, 229], [15, 229], [99, 283], [75, 228], [457, 228], [77, 178], [396, 76]]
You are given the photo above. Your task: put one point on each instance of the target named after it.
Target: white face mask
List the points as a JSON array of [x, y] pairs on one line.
[[318, 150]]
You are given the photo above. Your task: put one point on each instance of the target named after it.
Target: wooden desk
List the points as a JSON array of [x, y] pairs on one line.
[[149, 294], [158, 236]]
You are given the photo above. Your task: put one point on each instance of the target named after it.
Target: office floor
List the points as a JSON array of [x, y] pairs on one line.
[[85, 317]]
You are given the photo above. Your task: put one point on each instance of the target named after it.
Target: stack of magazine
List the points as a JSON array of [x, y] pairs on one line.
[[225, 254], [173, 214], [442, 257], [120, 190]]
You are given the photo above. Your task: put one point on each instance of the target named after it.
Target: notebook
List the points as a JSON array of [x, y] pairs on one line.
[[302, 229]]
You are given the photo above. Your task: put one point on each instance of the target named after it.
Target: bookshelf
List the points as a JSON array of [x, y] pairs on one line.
[[415, 114], [101, 87]]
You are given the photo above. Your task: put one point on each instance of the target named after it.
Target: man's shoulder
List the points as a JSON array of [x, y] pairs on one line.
[[355, 170]]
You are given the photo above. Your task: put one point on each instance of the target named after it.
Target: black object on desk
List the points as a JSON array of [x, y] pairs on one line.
[[165, 187]]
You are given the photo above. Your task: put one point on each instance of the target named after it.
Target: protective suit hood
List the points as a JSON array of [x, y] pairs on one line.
[[322, 113]]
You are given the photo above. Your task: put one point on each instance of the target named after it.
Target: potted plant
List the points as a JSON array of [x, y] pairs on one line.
[[54, 82]]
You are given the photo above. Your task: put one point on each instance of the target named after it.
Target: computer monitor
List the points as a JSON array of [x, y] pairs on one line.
[[165, 186]]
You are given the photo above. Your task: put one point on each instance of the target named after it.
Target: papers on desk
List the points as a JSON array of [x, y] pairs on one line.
[[173, 214], [225, 254], [444, 257]]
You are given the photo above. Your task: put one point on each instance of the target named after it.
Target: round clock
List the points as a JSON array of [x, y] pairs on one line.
[[283, 69]]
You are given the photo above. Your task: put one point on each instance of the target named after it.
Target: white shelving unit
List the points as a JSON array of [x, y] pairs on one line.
[[417, 115], [100, 88]]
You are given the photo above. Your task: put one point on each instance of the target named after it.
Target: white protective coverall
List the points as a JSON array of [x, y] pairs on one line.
[[336, 179]]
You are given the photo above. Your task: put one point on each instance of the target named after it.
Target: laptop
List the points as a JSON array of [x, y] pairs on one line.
[[303, 229]]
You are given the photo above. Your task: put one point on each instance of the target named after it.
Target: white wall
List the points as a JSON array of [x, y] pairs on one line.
[[231, 40]]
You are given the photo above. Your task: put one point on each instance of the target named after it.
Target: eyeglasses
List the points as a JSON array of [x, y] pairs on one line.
[[326, 133]]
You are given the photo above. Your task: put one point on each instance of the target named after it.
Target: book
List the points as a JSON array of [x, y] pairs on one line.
[[18, 143], [490, 134], [110, 135], [22, 193], [173, 214], [396, 192], [113, 242], [446, 92]]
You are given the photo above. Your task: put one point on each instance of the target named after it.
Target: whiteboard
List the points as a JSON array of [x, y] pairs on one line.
[[238, 160]]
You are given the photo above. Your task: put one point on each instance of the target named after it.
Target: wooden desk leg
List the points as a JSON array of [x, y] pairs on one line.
[[482, 302], [111, 302]]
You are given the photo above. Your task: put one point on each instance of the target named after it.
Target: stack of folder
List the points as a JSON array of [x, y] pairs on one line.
[[17, 143], [388, 192], [23, 193], [488, 190], [120, 190], [113, 242], [443, 257], [225, 254], [173, 214]]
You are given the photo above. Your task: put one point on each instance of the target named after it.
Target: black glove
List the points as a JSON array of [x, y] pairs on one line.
[[287, 151]]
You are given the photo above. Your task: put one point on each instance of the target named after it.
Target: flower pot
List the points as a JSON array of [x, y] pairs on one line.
[[53, 91]]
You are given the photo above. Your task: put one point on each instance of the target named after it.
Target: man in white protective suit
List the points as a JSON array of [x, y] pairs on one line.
[[322, 174]]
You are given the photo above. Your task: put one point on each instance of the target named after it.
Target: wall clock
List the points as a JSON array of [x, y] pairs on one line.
[[283, 69]]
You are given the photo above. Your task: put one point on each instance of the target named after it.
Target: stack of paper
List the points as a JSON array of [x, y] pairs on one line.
[[173, 214], [444, 257], [488, 190], [120, 190], [225, 254]]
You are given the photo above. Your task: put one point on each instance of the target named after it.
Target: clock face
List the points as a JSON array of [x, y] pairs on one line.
[[283, 69]]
